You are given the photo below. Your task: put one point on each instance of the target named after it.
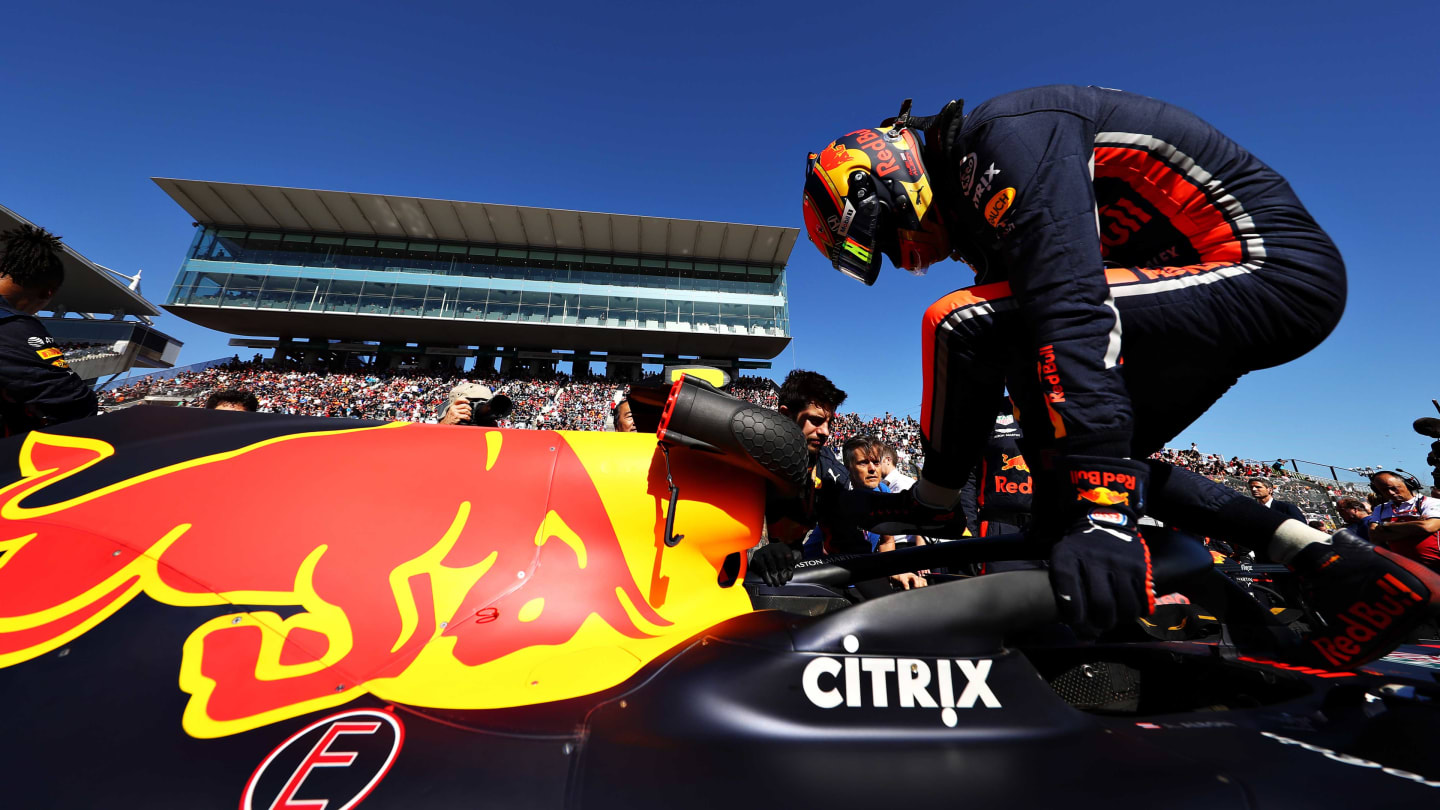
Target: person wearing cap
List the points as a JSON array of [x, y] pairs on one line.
[[458, 408]]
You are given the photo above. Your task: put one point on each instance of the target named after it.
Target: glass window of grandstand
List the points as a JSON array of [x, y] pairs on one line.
[[622, 312], [592, 309], [184, 288], [344, 296], [679, 315], [651, 313], [440, 302], [207, 288], [564, 308], [375, 298], [277, 292], [707, 316], [436, 258], [470, 302], [504, 305], [409, 300], [734, 318], [534, 305], [309, 294], [241, 290]]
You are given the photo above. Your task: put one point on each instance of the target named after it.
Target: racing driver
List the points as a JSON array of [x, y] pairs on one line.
[[1131, 263]]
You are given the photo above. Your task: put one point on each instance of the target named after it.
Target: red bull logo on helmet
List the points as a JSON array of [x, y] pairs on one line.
[[504, 586]]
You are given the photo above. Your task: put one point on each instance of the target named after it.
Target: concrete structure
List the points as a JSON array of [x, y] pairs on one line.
[[102, 320], [334, 276]]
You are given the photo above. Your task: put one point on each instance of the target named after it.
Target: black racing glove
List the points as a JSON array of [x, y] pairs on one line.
[[775, 562], [1100, 569]]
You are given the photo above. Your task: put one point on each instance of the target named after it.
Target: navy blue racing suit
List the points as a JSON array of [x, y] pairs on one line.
[[37, 387], [996, 498], [1132, 263]]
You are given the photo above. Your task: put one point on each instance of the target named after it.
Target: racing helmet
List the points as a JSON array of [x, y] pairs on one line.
[[868, 194]]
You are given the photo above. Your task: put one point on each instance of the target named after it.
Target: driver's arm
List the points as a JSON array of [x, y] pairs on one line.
[[1069, 327]]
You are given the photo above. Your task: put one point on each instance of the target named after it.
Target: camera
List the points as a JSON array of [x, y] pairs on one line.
[[484, 412], [1429, 427]]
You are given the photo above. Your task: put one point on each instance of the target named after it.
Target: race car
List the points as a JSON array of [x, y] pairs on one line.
[[211, 609]]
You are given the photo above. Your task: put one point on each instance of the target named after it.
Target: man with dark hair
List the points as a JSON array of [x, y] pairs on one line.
[[622, 417], [810, 399], [37, 387], [232, 399], [1261, 489]]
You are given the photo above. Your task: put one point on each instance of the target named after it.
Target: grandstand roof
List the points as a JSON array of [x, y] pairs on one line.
[[88, 287], [343, 212]]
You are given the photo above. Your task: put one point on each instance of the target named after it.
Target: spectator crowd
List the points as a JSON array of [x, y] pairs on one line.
[[565, 402]]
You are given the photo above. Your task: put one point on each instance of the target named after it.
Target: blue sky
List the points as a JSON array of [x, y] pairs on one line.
[[706, 111]]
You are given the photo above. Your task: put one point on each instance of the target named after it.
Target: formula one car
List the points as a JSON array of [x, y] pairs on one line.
[[205, 609]]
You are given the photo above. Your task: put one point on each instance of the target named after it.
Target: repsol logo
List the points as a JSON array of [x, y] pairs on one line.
[[905, 683]]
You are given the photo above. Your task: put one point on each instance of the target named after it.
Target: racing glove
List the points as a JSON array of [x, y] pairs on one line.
[[1100, 568], [775, 563]]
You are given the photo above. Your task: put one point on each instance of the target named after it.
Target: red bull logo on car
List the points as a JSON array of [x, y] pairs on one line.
[[505, 585]]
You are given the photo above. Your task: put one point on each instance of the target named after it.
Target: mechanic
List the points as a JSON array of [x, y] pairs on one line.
[[1132, 263], [996, 497], [37, 387], [1407, 523], [810, 399]]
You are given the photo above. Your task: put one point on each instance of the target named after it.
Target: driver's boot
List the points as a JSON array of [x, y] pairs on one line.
[[1369, 599], [901, 513]]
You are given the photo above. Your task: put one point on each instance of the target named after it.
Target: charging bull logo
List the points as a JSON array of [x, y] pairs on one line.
[[1016, 463], [1104, 496], [409, 579]]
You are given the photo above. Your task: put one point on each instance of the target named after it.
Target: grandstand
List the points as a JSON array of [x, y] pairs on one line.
[[102, 324], [343, 280], [564, 402]]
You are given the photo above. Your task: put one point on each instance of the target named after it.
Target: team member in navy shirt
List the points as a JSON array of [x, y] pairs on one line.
[[37, 387]]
